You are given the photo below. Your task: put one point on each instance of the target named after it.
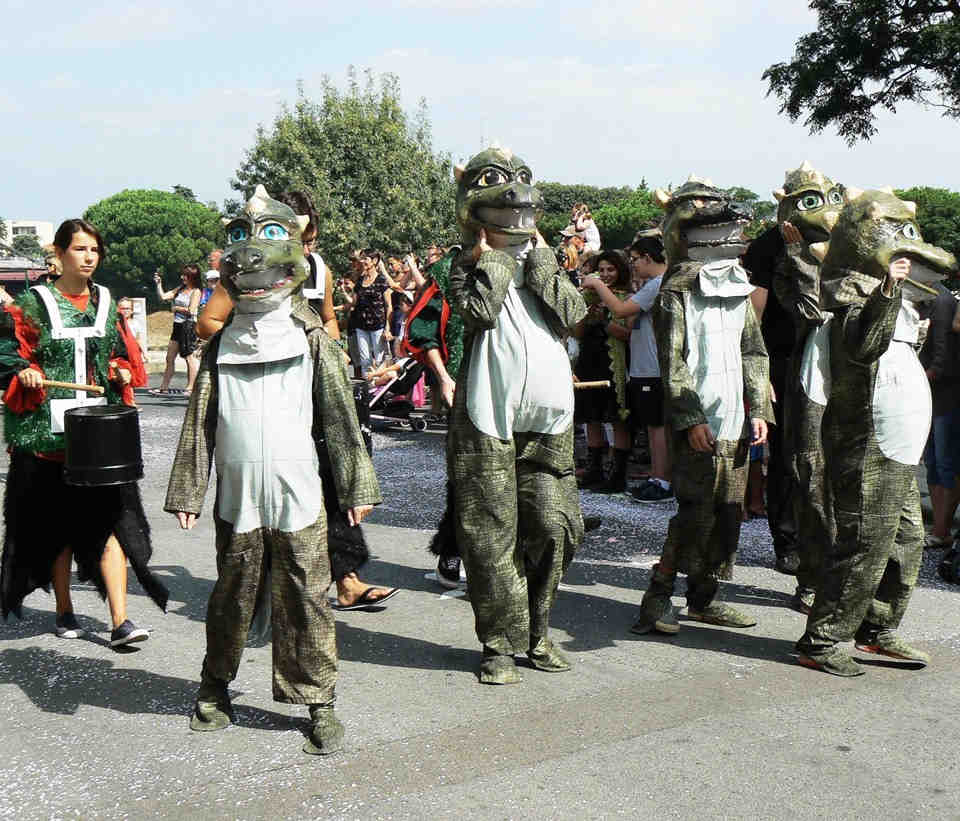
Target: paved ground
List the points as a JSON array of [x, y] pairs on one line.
[[712, 723]]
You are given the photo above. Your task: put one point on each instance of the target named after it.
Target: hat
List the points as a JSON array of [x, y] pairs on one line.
[[211, 274]]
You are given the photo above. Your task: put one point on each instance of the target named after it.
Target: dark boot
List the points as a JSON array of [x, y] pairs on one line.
[[594, 474], [617, 481]]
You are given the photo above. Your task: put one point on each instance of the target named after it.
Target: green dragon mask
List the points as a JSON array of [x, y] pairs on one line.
[[702, 222], [495, 192], [875, 228], [263, 258], [811, 202]]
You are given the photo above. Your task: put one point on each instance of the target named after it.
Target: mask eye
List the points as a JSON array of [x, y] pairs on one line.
[[524, 176], [238, 233], [491, 177], [910, 231], [835, 197], [274, 231], [809, 201]]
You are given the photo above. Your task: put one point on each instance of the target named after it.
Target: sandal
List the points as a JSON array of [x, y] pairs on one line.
[[157, 392]]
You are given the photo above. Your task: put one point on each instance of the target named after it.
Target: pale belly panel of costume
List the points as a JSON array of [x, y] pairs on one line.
[[715, 317], [815, 365], [902, 404], [519, 378]]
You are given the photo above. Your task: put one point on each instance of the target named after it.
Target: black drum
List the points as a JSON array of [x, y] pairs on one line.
[[102, 446]]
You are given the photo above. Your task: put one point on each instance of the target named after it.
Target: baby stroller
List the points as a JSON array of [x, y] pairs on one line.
[[388, 402]]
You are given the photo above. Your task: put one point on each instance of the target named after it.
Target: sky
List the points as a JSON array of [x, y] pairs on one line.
[[102, 96]]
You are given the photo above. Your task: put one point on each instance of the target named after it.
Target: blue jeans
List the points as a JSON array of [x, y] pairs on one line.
[[942, 454]]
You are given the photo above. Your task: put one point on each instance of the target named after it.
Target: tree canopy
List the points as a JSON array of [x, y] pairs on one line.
[[867, 54], [148, 230], [369, 168], [938, 215], [27, 245]]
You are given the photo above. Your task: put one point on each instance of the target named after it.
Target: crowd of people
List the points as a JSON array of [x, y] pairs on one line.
[[687, 346]]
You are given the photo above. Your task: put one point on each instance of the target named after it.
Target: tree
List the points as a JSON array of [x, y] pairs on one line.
[[619, 221], [145, 231], [870, 53], [27, 245], [183, 191], [559, 199], [3, 229], [764, 211], [938, 215], [369, 168]]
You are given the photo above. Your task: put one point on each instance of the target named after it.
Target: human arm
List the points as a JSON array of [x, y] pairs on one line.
[[756, 374], [215, 313], [327, 312], [191, 309], [388, 302], [622, 308], [796, 281], [617, 331], [163, 295], [21, 376], [479, 281], [543, 276], [868, 328], [419, 280]]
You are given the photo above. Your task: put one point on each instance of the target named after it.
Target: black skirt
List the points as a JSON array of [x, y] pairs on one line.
[[44, 515]]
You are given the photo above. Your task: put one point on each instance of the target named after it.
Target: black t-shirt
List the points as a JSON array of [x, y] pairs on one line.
[[760, 261]]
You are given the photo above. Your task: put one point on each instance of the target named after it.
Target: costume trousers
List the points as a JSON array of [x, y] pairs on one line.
[[304, 634], [518, 523], [870, 570], [813, 506], [703, 535]]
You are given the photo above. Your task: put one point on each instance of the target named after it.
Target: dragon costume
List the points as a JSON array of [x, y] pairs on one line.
[[66, 342], [256, 409], [510, 443], [811, 203], [874, 429], [712, 360]]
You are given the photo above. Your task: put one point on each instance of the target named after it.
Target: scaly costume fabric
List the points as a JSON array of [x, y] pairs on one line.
[[517, 510], [304, 640], [712, 358], [46, 331]]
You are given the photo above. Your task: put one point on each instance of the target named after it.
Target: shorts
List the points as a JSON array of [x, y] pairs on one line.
[[646, 402], [185, 335]]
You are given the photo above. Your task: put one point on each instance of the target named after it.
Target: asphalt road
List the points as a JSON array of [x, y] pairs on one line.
[[712, 723]]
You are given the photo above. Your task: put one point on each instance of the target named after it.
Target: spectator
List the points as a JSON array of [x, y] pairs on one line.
[[585, 227], [212, 277], [603, 354], [370, 311], [183, 336], [939, 357], [648, 264]]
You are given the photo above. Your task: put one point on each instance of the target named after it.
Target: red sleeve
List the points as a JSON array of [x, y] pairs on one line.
[[134, 362], [16, 397]]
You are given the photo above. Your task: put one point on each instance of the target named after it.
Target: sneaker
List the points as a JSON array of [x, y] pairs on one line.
[[835, 661], [721, 614], [650, 492], [68, 627], [885, 642], [128, 633], [448, 571]]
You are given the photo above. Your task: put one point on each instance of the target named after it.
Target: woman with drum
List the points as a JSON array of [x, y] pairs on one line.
[[67, 333]]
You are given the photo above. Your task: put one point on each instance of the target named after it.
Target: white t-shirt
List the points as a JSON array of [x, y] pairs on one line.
[[643, 341], [591, 236]]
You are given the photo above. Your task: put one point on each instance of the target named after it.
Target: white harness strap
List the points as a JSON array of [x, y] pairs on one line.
[[79, 336]]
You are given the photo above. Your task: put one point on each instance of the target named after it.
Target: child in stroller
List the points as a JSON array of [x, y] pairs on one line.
[[394, 394]]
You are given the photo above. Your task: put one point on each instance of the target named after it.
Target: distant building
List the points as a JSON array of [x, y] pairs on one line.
[[16, 272], [43, 231]]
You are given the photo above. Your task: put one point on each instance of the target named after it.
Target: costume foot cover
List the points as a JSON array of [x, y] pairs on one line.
[[721, 614], [835, 661], [498, 669], [656, 613], [544, 655], [212, 710], [326, 731], [885, 642]]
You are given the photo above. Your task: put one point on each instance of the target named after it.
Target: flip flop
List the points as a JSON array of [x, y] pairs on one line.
[[365, 601]]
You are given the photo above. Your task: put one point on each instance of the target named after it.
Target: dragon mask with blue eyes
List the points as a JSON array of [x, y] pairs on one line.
[[811, 202], [263, 259]]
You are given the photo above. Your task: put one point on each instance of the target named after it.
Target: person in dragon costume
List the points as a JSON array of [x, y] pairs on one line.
[[510, 443], [808, 207], [712, 360], [255, 409], [874, 429]]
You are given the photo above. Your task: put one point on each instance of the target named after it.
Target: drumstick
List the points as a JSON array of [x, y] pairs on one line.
[[921, 286], [604, 383], [71, 386]]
